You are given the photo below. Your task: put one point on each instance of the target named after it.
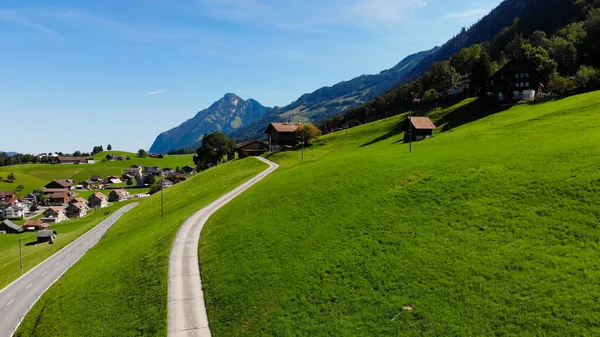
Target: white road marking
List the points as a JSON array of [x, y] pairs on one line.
[[57, 263], [28, 286], [45, 273], [10, 302]]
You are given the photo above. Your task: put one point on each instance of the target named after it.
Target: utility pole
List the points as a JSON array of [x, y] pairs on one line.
[[303, 148], [21, 254], [162, 200], [410, 130], [346, 123]]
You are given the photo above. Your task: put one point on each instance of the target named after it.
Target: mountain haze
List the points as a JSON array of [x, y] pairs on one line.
[[225, 115]]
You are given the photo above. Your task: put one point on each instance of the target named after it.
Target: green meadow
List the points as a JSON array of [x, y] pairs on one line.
[[491, 228], [119, 288], [67, 231], [36, 176]]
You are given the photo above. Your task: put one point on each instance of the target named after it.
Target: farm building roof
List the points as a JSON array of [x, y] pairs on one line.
[[422, 123], [46, 234], [10, 224], [283, 127]]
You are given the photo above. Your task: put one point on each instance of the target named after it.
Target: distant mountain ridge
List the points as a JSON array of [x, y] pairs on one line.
[[328, 101], [225, 115]]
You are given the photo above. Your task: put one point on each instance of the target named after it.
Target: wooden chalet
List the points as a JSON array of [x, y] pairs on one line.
[[517, 80], [418, 128], [57, 199], [5, 196], [118, 195], [251, 148], [77, 210], [281, 135], [54, 215], [97, 200], [60, 184]]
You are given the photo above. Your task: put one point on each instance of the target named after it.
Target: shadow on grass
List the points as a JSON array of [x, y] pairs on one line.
[[32, 243], [465, 114], [396, 130], [470, 113]]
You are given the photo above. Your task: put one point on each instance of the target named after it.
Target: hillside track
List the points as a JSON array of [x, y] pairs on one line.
[[187, 315]]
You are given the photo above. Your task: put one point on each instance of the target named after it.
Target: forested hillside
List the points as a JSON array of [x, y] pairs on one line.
[[565, 53]]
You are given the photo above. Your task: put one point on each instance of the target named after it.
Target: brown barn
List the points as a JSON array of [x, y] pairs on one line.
[[9, 227], [57, 199], [251, 148], [418, 128], [281, 135], [46, 236]]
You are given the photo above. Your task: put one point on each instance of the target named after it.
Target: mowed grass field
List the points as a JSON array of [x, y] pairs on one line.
[[33, 255], [488, 229], [36, 176], [119, 288]]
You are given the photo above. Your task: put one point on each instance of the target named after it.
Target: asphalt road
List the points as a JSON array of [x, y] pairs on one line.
[[21, 295], [186, 310]]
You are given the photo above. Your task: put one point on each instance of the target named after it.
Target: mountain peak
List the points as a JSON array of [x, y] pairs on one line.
[[225, 115]]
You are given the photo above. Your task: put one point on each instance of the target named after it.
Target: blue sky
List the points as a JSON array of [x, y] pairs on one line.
[[74, 74]]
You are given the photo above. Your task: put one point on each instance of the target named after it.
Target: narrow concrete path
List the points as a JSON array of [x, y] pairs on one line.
[[17, 299], [186, 309]]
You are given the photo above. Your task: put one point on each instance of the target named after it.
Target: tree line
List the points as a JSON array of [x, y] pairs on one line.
[[566, 57]]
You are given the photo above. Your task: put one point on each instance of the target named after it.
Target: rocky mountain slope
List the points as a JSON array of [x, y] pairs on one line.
[[226, 115]]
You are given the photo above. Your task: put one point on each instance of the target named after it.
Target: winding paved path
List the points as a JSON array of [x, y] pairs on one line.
[[187, 312], [21, 295]]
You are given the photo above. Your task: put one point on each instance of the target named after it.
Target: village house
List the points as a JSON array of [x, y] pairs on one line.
[[35, 225], [32, 198], [189, 170], [72, 160], [46, 236], [517, 80], [54, 215], [418, 128], [58, 199], [13, 212], [118, 195], [96, 179], [63, 184], [155, 170], [8, 227], [167, 171], [165, 183], [111, 157], [281, 135], [127, 177], [97, 201], [88, 185], [181, 177], [5, 196], [77, 210], [113, 181], [135, 169], [77, 200], [251, 148]]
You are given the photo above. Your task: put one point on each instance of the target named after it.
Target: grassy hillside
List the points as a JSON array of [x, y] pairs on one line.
[[119, 288], [490, 228], [67, 231], [35, 176]]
